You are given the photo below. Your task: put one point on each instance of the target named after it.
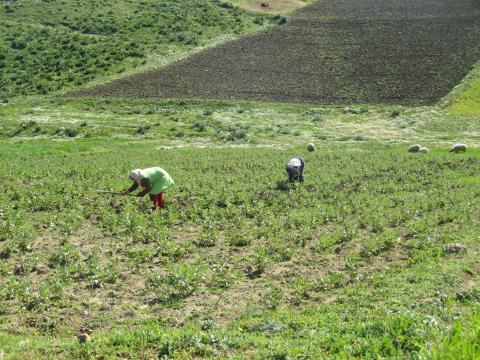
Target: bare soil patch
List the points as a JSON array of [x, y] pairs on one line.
[[375, 51], [270, 6]]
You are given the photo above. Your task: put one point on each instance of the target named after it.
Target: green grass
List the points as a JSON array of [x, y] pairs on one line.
[[467, 101], [462, 342], [54, 45], [190, 122]]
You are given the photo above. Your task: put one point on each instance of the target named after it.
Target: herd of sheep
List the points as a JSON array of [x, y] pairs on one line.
[[455, 148]]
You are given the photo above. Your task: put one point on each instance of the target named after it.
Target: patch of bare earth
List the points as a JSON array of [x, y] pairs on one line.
[[270, 6], [366, 52]]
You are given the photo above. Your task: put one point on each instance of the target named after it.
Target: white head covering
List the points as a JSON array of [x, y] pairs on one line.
[[135, 175]]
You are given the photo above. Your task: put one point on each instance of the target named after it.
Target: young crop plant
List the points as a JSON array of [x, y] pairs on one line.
[[272, 297], [236, 238], [329, 281], [301, 290], [96, 273], [181, 281], [65, 256], [221, 278], [207, 238], [173, 250]]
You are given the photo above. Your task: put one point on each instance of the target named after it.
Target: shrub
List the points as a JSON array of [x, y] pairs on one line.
[[71, 132], [395, 114], [226, 5], [279, 20], [199, 126], [142, 129]]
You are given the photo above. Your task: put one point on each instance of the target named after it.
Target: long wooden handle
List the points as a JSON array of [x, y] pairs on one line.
[[113, 193]]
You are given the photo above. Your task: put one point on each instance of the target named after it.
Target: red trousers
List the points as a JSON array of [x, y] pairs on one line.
[[158, 200]]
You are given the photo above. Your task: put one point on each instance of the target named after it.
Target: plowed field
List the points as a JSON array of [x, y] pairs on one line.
[[335, 51]]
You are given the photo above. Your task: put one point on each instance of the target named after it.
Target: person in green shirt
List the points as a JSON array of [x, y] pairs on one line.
[[154, 182]]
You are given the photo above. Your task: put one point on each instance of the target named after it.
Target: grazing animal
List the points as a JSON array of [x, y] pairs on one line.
[[423, 150], [458, 148], [414, 148], [295, 168]]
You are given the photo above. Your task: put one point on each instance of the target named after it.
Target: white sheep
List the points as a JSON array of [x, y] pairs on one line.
[[423, 150], [458, 148], [414, 148]]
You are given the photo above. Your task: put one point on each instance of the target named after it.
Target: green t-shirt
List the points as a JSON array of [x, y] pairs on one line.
[[159, 179]]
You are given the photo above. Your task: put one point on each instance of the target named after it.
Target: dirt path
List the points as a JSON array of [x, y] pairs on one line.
[[335, 51]]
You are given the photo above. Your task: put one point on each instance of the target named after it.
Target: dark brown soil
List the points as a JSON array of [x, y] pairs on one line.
[[335, 51]]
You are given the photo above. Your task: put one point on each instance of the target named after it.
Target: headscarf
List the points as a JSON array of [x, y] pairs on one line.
[[135, 175]]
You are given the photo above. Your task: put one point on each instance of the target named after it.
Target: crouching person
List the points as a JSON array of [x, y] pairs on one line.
[[154, 182], [295, 168]]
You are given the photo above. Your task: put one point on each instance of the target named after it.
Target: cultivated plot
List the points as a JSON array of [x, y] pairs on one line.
[[374, 51], [376, 252]]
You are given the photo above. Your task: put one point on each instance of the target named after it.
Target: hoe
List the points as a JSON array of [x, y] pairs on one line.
[[113, 193]]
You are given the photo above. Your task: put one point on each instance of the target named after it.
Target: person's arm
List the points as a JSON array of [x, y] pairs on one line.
[[130, 189], [145, 183]]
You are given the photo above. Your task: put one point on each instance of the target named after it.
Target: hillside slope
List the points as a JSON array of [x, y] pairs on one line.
[[333, 51], [51, 45]]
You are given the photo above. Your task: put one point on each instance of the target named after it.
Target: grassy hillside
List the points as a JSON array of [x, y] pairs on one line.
[[169, 123], [50, 45], [349, 264]]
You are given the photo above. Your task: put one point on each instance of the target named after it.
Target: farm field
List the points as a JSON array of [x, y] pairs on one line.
[[351, 263], [329, 52], [375, 256]]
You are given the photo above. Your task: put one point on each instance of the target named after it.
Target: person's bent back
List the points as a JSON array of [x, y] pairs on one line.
[[295, 169]]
